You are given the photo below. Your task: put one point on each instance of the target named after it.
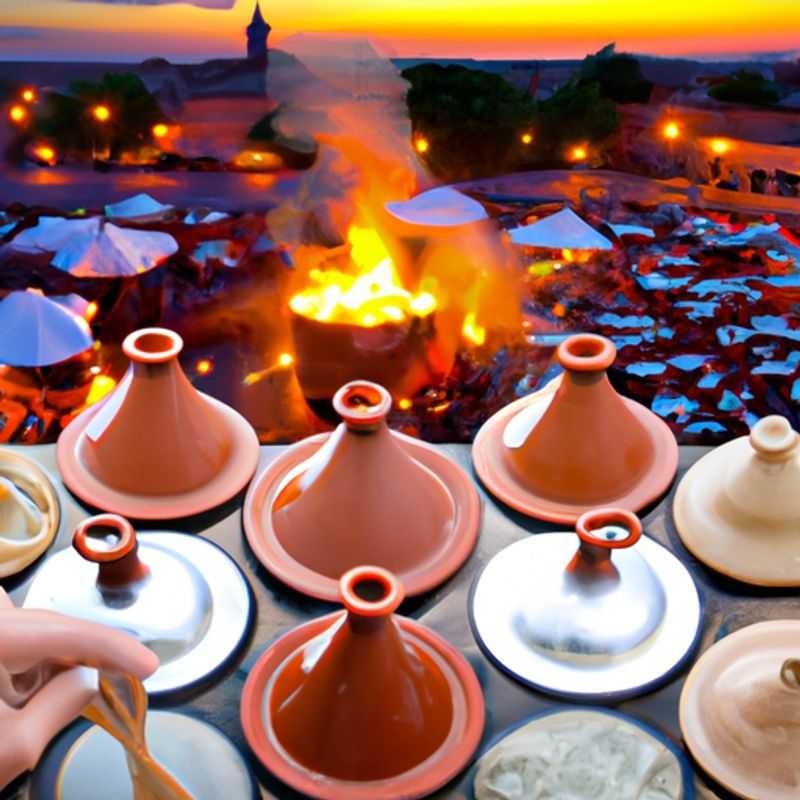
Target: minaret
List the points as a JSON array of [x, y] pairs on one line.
[[257, 34]]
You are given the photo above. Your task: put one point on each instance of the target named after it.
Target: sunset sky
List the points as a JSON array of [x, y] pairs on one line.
[[117, 30]]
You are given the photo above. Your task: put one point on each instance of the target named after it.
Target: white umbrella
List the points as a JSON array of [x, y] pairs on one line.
[[441, 207], [560, 231], [36, 332], [91, 248], [139, 208]]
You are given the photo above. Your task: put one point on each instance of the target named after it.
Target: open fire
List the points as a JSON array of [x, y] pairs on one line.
[[372, 296]]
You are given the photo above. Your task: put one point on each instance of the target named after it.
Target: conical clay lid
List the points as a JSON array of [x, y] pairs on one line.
[[738, 508], [401, 710], [740, 711], [157, 448], [363, 494], [556, 454]]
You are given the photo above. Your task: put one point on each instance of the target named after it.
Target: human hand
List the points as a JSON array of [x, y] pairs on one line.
[[48, 664]]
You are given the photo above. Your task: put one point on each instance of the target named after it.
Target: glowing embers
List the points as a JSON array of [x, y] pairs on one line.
[[372, 296]]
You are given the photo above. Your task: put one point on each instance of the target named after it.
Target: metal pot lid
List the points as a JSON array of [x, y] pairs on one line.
[[604, 753], [155, 586], [86, 763], [30, 512], [594, 621]]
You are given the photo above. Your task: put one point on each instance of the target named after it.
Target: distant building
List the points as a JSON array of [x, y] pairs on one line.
[[257, 34]]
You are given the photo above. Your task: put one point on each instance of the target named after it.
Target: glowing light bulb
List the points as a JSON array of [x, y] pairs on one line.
[[91, 311], [160, 130], [526, 138], [28, 95], [422, 145], [45, 153], [672, 131], [404, 404], [719, 146], [17, 113], [285, 360], [101, 113], [578, 153], [204, 366]]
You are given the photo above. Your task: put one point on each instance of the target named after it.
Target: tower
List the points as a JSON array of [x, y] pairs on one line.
[[257, 34]]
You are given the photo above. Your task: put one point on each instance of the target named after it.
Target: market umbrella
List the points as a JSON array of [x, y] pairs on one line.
[[563, 230], [92, 248], [36, 332]]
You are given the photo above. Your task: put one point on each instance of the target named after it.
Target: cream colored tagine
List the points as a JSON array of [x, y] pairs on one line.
[[579, 755]]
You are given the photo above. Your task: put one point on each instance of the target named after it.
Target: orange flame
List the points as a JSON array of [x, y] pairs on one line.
[[373, 296]]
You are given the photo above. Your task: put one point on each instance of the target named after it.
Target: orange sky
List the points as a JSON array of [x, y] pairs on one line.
[[458, 28]]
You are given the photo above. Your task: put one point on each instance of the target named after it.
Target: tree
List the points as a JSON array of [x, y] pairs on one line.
[[619, 76], [746, 86], [472, 119], [67, 119]]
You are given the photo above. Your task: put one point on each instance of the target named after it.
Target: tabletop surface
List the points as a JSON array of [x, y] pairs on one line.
[[727, 606]]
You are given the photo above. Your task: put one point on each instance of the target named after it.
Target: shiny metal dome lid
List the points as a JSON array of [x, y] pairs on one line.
[[157, 587], [599, 620], [590, 603]]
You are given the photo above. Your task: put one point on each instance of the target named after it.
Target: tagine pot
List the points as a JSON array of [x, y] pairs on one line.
[[362, 494], [608, 616], [30, 512], [361, 704], [179, 594], [576, 445], [738, 508], [739, 711], [156, 448]]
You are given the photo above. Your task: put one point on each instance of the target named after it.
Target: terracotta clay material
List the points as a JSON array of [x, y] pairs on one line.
[[30, 512], [362, 704], [738, 508], [156, 448], [403, 356], [577, 445], [740, 711], [362, 494]]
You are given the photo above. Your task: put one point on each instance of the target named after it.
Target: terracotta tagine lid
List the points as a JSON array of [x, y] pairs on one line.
[[740, 711], [158, 587], [611, 617], [362, 494], [560, 452], [362, 704], [156, 448], [30, 512], [738, 508]]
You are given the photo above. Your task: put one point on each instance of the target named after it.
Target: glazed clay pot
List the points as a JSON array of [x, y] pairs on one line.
[[562, 451], [738, 508], [361, 704], [740, 711], [362, 494], [156, 448]]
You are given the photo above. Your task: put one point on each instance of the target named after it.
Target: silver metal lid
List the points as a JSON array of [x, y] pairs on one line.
[[594, 620], [180, 595], [586, 602]]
